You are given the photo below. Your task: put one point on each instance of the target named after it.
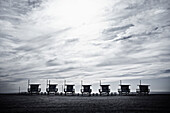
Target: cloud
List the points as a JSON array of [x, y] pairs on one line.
[[110, 40], [167, 71], [119, 28]]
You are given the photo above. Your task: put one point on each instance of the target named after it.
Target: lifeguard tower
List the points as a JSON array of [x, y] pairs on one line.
[[85, 89], [33, 88], [143, 89], [51, 88], [124, 89], [104, 89], [69, 88]]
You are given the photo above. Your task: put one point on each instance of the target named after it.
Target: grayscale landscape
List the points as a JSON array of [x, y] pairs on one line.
[[117, 47]]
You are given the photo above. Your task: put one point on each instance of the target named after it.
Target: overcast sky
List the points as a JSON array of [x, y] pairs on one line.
[[89, 40]]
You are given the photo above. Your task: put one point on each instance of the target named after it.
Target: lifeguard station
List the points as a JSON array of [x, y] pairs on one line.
[[51, 88], [143, 89], [69, 88], [33, 88], [124, 89], [85, 89], [104, 89]]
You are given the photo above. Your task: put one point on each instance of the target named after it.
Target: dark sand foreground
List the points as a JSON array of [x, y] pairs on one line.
[[79, 104]]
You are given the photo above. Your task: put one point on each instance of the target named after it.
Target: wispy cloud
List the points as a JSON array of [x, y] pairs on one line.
[[112, 39]]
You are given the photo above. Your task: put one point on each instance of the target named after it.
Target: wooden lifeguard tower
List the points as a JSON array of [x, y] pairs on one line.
[[33, 88], [143, 89], [69, 88], [51, 88], [104, 89], [124, 89], [85, 89]]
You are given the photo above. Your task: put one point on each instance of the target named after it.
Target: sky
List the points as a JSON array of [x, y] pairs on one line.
[[89, 40]]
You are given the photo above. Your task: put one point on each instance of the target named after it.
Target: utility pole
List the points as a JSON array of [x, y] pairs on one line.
[[19, 89], [28, 83]]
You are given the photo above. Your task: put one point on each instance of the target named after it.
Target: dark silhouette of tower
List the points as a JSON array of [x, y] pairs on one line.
[[124, 89], [33, 88], [85, 89], [143, 89], [51, 88], [69, 88], [104, 89]]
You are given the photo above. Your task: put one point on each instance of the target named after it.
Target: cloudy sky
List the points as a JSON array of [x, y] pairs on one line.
[[89, 40]]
